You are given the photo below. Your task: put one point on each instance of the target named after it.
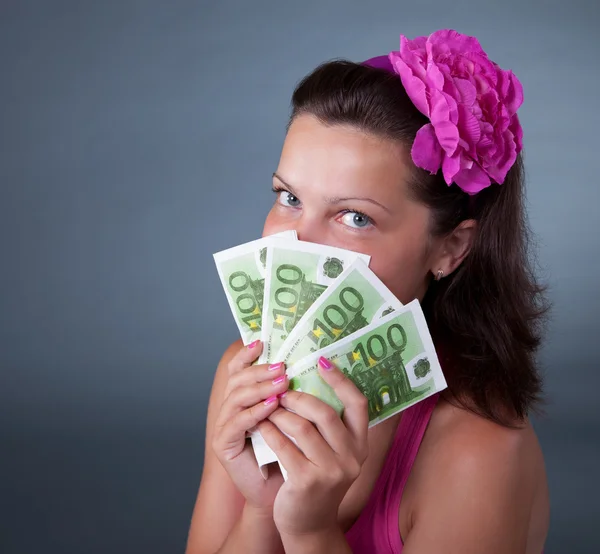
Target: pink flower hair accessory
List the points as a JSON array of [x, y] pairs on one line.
[[474, 134]]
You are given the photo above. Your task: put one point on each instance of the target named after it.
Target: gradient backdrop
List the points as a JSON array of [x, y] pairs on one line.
[[136, 139]]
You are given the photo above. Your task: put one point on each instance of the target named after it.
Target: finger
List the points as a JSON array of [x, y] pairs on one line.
[[245, 397], [245, 356], [327, 421], [295, 463], [306, 435], [230, 434], [252, 375], [356, 412]]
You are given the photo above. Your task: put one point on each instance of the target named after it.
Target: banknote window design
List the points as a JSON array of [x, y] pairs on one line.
[[333, 267], [422, 368], [263, 257]]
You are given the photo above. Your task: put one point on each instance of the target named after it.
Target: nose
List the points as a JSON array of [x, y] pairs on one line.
[[310, 230]]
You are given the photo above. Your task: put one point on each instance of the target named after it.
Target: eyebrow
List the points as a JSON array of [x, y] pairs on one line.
[[334, 199]]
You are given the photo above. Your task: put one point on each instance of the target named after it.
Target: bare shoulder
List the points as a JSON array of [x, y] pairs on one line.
[[484, 482], [470, 441]]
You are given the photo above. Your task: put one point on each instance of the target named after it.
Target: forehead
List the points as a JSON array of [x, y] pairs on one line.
[[342, 159]]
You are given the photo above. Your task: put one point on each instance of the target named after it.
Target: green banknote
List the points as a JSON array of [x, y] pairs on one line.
[[392, 361], [242, 273], [353, 301], [297, 273]]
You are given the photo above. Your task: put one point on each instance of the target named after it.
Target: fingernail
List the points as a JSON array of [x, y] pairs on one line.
[[273, 367], [325, 363], [253, 344], [279, 380], [270, 400], [282, 394]]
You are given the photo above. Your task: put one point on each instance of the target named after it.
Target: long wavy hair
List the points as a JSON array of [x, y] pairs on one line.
[[486, 318]]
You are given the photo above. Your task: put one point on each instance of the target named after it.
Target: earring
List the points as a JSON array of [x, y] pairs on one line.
[[439, 275]]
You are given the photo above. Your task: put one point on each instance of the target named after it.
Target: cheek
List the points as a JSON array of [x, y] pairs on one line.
[[402, 270], [275, 224], [269, 223]]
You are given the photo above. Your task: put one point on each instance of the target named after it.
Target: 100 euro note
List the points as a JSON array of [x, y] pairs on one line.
[[392, 361], [353, 301], [242, 273], [297, 273]]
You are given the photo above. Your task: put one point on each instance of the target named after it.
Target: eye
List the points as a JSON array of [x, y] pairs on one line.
[[286, 198], [357, 220]]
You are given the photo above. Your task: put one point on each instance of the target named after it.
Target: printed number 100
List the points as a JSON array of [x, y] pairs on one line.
[[377, 348], [350, 299]]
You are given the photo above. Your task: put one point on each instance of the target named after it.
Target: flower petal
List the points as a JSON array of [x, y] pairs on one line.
[[435, 78], [468, 126], [467, 90], [472, 180], [456, 41], [426, 152], [517, 131], [414, 86], [439, 109], [447, 135], [508, 156], [418, 43], [514, 95], [413, 54], [450, 167]]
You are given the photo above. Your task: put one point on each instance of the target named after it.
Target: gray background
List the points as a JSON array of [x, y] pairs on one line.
[[136, 139]]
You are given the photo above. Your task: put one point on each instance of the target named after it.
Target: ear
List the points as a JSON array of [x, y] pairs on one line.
[[454, 248]]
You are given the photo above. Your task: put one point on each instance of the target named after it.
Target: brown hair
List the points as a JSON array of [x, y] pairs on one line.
[[486, 317]]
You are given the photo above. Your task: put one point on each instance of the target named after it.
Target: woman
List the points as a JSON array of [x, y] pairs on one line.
[[412, 158]]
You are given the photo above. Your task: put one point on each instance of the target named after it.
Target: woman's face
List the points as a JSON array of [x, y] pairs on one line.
[[340, 187]]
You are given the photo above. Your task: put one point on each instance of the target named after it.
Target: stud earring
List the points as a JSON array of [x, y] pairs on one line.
[[439, 275]]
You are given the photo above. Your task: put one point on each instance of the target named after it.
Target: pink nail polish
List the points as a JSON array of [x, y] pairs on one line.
[[273, 367], [325, 363], [282, 394], [279, 380], [270, 400], [253, 344]]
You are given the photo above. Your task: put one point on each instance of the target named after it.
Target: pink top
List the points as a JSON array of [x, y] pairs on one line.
[[376, 529]]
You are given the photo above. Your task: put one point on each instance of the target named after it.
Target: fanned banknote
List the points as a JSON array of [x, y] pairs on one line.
[[353, 301], [306, 300], [242, 273], [392, 361], [297, 273]]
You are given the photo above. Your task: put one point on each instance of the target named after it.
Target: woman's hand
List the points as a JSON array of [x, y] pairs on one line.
[[250, 397], [328, 457]]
